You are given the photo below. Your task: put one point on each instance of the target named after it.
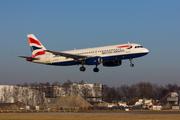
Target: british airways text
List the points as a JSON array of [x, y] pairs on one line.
[[112, 51]]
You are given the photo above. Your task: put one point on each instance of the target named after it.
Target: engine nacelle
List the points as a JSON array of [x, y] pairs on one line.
[[93, 61], [113, 63]]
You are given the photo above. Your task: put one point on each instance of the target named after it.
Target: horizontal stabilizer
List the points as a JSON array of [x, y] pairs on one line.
[[29, 58]]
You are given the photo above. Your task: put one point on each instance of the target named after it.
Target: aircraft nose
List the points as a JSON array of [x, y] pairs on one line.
[[146, 50]]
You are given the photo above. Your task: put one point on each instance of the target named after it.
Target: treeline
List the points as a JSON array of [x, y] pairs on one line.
[[128, 93], [131, 93], [36, 93]]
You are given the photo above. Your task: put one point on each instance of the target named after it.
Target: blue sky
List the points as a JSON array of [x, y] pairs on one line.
[[67, 24]]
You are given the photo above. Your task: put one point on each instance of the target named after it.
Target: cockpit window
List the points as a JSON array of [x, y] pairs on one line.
[[138, 46]]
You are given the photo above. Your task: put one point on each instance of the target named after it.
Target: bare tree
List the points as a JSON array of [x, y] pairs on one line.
[[41, 92], [86, 91], [56, 89], [105, 91], [16, 92], [172, 88], [67, 88], [97, 90], [26, 93], [57, 84], [133, 92], [156, 91], [6, 93], [75, 89], [32, 97], [82, 82], [1, 100], [145, 90], [124, 91], [112, 95]]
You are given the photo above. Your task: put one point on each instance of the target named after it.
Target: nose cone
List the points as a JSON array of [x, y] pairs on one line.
[[146, 50]]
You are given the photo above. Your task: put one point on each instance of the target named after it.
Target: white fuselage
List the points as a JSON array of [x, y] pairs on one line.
[[109, 56], [107, 53]]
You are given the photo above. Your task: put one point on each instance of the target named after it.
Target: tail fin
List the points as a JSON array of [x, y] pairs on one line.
[[36, 47]]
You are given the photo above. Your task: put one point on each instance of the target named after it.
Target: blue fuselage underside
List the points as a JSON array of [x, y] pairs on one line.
[[108, 58]]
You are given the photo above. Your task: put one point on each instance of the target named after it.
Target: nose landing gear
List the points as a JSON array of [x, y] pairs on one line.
[[132, 65]]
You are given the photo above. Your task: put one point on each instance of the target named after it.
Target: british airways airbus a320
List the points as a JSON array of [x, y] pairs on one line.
[[109, 56]]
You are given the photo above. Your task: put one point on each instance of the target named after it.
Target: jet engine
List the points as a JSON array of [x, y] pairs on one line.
[[93, 61], [112, 63]]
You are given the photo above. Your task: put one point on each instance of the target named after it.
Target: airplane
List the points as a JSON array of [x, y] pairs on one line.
[[109, 56]]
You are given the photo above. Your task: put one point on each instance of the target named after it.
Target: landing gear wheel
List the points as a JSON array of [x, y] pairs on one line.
[[96, 69], [82, 69], [132, 65]]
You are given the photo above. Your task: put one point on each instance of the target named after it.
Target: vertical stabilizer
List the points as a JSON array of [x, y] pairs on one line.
[[36, 47]]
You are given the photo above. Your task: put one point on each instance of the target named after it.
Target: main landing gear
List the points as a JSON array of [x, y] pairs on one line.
[[96, 69], [132, 65], [83, 69]]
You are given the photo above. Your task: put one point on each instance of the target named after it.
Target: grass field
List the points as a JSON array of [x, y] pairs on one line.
[[69, 116]]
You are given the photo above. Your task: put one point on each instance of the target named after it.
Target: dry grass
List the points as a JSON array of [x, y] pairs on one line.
[[69, 116]]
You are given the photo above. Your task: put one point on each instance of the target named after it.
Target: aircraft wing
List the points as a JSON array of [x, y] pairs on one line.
[[67, 55]]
